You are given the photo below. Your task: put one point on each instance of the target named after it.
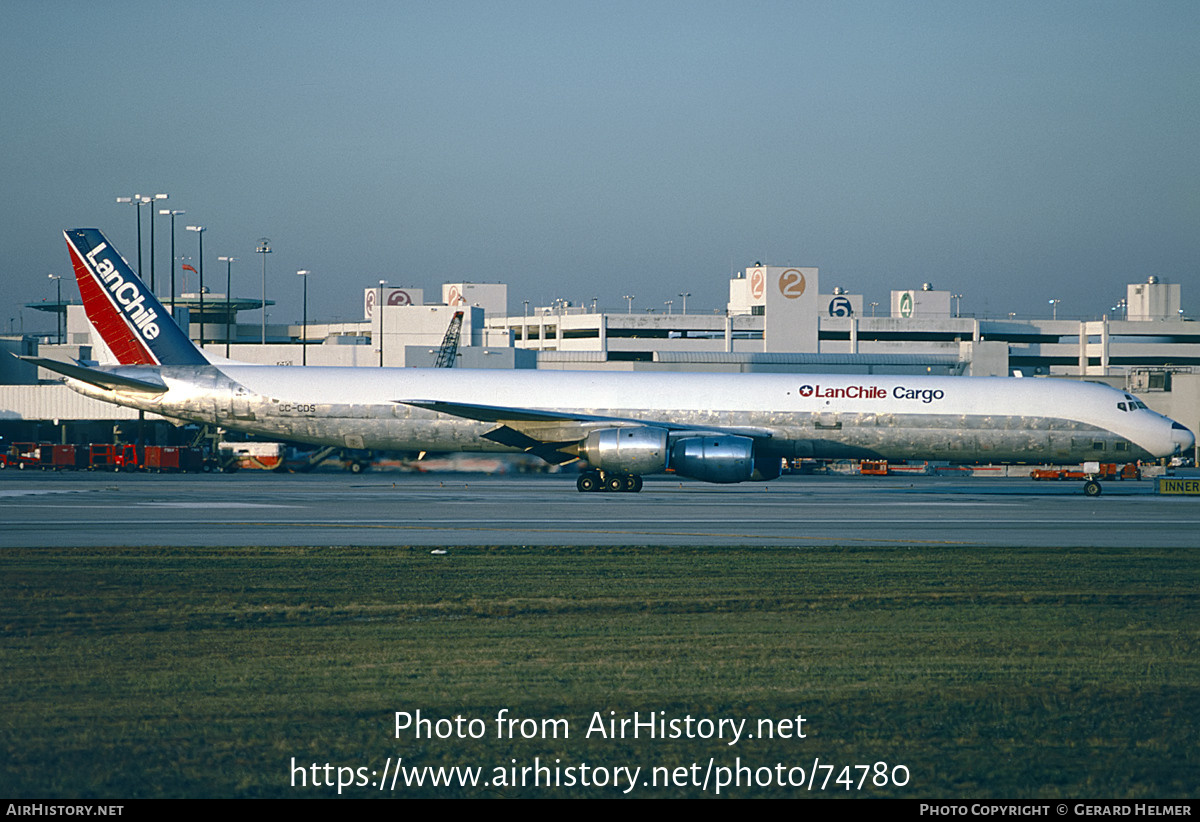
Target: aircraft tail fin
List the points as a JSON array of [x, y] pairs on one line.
[[125, 313]]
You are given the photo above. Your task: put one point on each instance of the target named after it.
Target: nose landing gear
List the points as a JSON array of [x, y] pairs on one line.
[[605, 481]]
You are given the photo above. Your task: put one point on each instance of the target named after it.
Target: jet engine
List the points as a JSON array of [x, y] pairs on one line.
[[637, 450], [721, 458], [633, 450]]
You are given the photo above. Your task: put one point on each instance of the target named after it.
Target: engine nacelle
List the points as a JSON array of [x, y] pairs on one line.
[[721, 458], [633, 450]]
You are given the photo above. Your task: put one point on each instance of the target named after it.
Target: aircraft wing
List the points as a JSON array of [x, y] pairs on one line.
[[93, 376], [554, 435], [497, 413]]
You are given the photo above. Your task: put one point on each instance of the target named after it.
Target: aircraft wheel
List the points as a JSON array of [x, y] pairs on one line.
[[588, 482], [633, 483], [614, 483], [356, 468], [1091, 488]]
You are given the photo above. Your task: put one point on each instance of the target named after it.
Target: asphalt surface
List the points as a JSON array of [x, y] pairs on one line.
[[69, 509]]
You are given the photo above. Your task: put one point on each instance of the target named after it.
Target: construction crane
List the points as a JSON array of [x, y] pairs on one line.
[[449, 350]]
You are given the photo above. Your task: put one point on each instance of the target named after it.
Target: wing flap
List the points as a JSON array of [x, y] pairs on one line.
[[549, 451]]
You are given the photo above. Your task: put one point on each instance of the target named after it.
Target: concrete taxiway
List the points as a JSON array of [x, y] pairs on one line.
[[249, 508]]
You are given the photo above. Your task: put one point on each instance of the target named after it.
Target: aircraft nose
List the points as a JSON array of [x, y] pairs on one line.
[[1183, 439]]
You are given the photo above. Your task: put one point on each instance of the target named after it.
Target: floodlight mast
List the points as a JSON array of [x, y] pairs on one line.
[[304, 324], [229, 261], [166, 212], [264, 248], [199, 229]]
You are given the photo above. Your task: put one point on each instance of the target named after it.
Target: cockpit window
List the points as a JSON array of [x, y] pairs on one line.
[[1121, 405]]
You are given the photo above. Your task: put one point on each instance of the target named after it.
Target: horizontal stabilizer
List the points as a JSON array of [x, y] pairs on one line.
[[102, 379]]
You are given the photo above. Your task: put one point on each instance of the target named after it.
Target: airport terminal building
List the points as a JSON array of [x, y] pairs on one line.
[[776, 319]]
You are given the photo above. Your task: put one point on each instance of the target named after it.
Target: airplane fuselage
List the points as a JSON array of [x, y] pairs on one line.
[[960, 419]]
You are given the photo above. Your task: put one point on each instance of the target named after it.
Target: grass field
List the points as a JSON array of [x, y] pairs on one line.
[[987, 674]]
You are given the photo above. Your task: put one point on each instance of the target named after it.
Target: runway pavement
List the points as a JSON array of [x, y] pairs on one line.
[[46, 509]]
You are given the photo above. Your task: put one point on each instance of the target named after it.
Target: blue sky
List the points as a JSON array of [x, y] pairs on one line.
[[1011, 152]]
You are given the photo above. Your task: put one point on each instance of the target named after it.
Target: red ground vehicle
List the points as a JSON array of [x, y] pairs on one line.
[[104, 457], [1107, 471], [114, 457], [173, 458], [1091, 473], [101, 456], [25, 454], [59, 457]]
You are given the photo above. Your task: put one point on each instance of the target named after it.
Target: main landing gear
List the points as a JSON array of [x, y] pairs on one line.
[[1091, 488], [604, 481]]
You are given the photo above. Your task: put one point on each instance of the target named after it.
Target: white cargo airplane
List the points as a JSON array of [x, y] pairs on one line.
[[711, 427]]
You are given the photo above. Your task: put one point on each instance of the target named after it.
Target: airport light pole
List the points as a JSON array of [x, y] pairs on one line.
[[957, 304], [685, 295], [304, 326], [668, 304], [379, 308], [58, 324], [150, 201], [166, 212], [631, 298], [199, 229], [1054, 308], [137, 200], [264, 248], [229, 261]]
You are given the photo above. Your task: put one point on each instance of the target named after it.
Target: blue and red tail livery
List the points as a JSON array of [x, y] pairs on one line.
[[126, 314]]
